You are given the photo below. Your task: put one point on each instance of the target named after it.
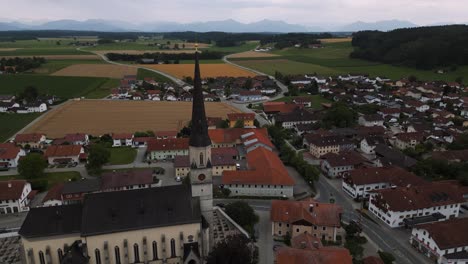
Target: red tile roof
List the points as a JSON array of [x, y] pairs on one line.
[[410, 136], [350, 158], [232, 135], [182, 161], [323, 214], [168, 134], [122, 136], [325, 255], [241, 116], [306, 241], [117, 179], [281, 108], [26, 138], [225, 151], [63, 151], [392, 175], [11, 190], [265, 167], [54, 193], [75, 137], [8, 151], [448, 234], [168, 144]]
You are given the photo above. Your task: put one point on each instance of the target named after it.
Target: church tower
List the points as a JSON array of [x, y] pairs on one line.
[[200, 150]]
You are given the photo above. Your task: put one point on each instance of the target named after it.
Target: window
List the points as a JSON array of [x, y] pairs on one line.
[[97, 255], [297, 230], [117, 255], [201, 159], [173, 253], [136, 252], [190, 238], [60, 254], [155, 250], [41, 257]]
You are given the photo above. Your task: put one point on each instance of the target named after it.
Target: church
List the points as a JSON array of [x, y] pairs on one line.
[[155, 225]]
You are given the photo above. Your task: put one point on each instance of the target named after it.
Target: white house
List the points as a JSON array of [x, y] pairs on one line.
[[167, 149], [371, 120], [124, 139], [443, 242], [335, 165], [368, 144], [63, 154], [37, 107], [394, 205], [10, 155], [14, 196]]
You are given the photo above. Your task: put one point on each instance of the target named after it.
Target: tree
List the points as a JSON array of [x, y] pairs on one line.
[[236, 249], [30, 94], [98, 156], [339, 116], [386, 257], [32, 166], [239, 124], [243, 214], [223, 124]]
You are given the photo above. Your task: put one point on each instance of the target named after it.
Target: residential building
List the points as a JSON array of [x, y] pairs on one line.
[[371, 120], [443, 242], [335, 165], [247, 119], [75, 191], [319, 146], [122, 140], [250, 96], [361, 182], [222, 159], [127, 180], [408, 140], [389, 156], [34, 141], [368, 144], [14, 196], [272, 108], [54, 195], [165, 134], [167, 149], [265, 176], [294, 218], [394, 205], [64, 154], [299, 116], [73, 139], [10, 155]]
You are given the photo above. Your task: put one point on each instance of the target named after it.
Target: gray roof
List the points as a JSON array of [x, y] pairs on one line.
[[139, 209], [82, 186], [394, 157], [52, 221]]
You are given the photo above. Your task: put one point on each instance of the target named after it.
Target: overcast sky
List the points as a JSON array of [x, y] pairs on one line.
[[308, 12]]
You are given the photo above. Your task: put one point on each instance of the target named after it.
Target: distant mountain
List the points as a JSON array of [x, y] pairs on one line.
[[4, 26], [384, 25], [88, 25]]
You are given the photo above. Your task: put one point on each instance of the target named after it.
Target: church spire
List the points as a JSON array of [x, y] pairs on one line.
[[199, 134]]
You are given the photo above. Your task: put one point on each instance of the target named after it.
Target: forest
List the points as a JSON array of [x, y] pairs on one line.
[[423, 48], [158, 56], [12, 65], [288, 40]]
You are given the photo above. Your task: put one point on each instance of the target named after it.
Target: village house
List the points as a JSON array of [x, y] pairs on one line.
[[15, 196], [301, 100], [299, 116], [54, 195], [362, 181], [249, 96], [10, 155], [7, 106], [73, 139], [222, 159], [265, 176], [247, 119], [122, 140], [371, 120], [33, 141], [395, 205], [294, 218], [36, 107], [64, 154], [386, 155], [392, 112], [167, 149], [408, 140], [142, 141], [369, 143], [419, 106], [165, 134], [74, 192], [335, 165], [443, 242], [127, 180], [273, 108], [319, 146]]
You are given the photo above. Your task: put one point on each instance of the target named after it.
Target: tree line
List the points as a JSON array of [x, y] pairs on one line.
[[289, 40], [422, 48], [158, 56], [13, 65]]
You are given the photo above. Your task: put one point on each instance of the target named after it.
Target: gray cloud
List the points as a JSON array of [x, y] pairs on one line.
[[293, 11]]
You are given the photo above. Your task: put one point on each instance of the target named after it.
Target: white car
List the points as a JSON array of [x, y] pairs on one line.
[[178, 179]]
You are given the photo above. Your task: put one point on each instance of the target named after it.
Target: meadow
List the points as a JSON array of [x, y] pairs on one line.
[[12, 123], [207, 70]]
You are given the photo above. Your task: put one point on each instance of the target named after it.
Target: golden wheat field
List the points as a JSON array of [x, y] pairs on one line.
[[97, 70], [207, 70], [336, 40], [252, 54], [98, 117]]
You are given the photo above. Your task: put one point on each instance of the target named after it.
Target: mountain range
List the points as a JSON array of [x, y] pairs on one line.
[[229, 25]]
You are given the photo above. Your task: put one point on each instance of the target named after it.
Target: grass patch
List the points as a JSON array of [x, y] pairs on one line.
[[12, 123], [51, 178], [62, 86], [104, 89], [43, 52], [122, 156], [317, 100], [144, 73]]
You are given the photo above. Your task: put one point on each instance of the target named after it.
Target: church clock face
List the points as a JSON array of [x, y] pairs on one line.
[[201, 177]]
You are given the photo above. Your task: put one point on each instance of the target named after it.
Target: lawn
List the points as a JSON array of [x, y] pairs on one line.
[[61, 86], [52, 178], [144, 73], [334, 60], [317, 100], [122, 156], [12, 123]]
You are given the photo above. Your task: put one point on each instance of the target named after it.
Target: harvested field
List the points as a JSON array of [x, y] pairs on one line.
[[97, 70], [207, 70], [252, 54], [59, 57], [98, 117], [336, 40], [139, 52]]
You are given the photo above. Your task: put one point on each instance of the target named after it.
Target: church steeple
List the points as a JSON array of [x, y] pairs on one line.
[[199, 134]]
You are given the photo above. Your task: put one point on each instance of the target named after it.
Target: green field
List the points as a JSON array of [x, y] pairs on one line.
[[42, 47], [12, 123], [61, 86], [333, 60], [122, 156], [52, 66], [51, 178], [317, 100], [249, 45], [144, 73]]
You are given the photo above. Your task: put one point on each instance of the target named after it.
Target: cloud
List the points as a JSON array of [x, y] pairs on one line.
[[293, 11]]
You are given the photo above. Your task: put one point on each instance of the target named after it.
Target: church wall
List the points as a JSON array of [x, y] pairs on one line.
[[54, 243]]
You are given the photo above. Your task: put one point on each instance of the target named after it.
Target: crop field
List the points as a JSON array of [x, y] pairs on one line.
[[12, 123], [60, 57], [334, 60], [207, 70], [139, 52], [98, 117], [63, 87], [97, 70], [336, 40], [252, 54], [146, 45], [52, 66]]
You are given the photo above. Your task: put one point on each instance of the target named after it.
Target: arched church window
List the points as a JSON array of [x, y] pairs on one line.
[[201, 159]]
